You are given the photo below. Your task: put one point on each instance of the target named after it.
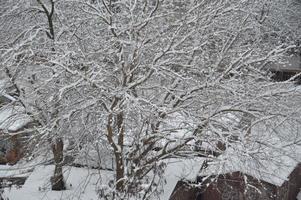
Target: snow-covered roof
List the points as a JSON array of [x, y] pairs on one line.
[[180, 169], [288, 63], [269, 154], [4, 83], [274, 170], [13, 118]]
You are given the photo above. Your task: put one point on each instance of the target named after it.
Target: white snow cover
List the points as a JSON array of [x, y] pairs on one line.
[[93, 159], [12, 118], [180, 169], [274, 170], [299, 196], [3, 84], [268, 154], [14, 171], [81, 184]]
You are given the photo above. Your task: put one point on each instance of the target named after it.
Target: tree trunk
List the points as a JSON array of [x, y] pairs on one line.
[[57, 180], [118, 154], [119, 172], [118, 148]]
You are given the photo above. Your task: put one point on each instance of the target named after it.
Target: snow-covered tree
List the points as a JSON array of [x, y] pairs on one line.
[[146, 80]]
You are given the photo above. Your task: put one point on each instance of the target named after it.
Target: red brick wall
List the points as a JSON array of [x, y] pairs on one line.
[[183, 191], [14, 154], [232, 186], [294, 183]]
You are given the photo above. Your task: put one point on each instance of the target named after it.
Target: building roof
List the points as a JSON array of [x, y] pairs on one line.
[[178, 169], [291, 63], [275, 170], [5, 86], [269, 155], [13, 118]]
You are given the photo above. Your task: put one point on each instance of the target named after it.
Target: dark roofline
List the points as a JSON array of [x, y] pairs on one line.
[[290, 63], [199, 178]]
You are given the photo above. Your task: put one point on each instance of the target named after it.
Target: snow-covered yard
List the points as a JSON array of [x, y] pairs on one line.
[[82, 183]]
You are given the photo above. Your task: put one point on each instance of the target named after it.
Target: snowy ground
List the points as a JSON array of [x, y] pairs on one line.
[[81, 183], [14, 171]]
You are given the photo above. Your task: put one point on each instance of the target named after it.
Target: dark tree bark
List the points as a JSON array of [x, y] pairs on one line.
[[57, 180], [118, 148]]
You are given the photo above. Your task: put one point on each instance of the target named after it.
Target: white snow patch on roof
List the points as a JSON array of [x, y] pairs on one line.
[[274, 170], [3, 84], [13, 118], [180, 169], [269, 154]]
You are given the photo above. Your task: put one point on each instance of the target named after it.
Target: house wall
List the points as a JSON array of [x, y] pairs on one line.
[[286, 75], [183, 191], [229, 186], [232, 187], [4, 146], [11, 148], [292, 186], [14, 153], [211, 193], [260, 191]]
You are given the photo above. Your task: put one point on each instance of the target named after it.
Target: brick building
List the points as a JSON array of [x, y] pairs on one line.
[[14, 124]]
